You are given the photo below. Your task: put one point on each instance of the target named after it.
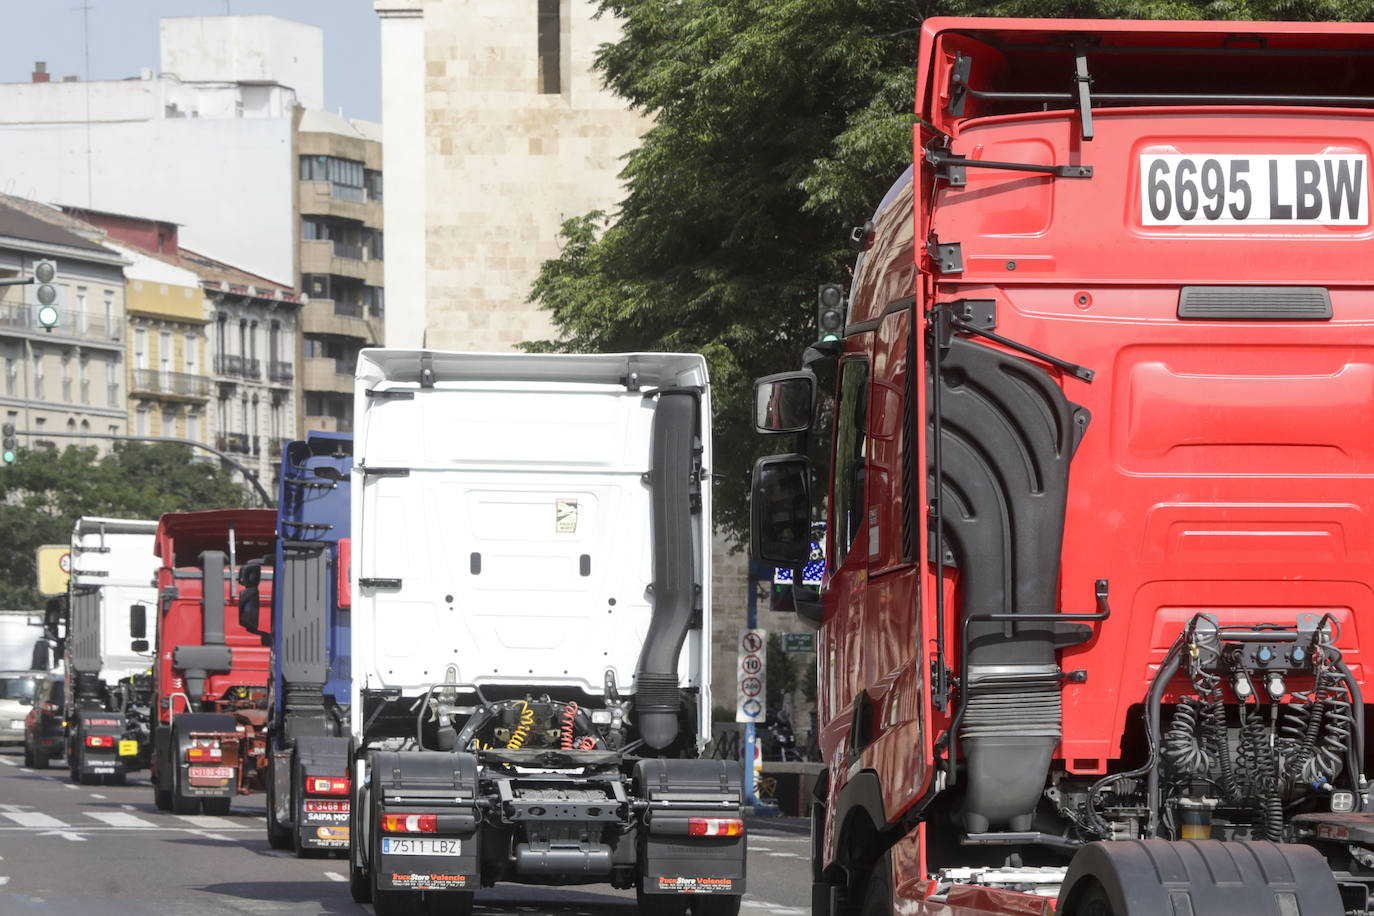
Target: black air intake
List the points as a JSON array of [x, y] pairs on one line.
[[1008, 434], [657, 699]]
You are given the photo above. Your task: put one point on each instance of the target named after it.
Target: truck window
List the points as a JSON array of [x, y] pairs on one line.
[[13, 688], [851, 421]]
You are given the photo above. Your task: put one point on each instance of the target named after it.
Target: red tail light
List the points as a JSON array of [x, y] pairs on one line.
[[324, 785], [410, 823], [51, 708], [715, 826], [100, 741], [204, 749]]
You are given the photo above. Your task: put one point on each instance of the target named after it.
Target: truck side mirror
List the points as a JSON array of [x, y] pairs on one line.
[[250, 573], [784, 403], [26, 701], [138, 621], [780, 511], [53, 612], [138, 645]]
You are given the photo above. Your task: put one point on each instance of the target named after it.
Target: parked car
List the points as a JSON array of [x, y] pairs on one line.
[[46, 727], [15, 688]]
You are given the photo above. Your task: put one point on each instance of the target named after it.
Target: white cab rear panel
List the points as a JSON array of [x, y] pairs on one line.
[[510, 501], [115, 557]]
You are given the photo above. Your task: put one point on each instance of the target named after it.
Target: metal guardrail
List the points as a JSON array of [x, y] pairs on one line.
[[280, 371], [345, 250], [348, 309]]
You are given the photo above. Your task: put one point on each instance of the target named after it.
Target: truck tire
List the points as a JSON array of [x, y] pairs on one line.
[[216, 806], [359, 883], [278, 837], [28, 759], [162, 798], [878, 895]]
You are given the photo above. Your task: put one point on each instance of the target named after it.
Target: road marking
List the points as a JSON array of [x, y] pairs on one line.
[[4, 879], [334, 876], [8, 762], [65, 834], [101, 797], [119, 819], [754, 847], [207, 835], [773, 909], [128, 807], [32, 819], [206, 820], [67, 785]]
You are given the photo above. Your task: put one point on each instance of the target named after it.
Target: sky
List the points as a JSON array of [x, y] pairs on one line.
[[124, 37]]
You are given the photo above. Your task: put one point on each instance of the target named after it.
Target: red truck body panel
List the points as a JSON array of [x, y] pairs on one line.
[[1228, 467]]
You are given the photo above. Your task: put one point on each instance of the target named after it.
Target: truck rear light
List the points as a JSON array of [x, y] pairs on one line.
[[410, 823], [715, 826], [100, 741], [51, 708], [204, 750], [324, 785]]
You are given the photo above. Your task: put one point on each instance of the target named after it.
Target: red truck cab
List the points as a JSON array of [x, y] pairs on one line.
[[1098, 505], [211, 674]]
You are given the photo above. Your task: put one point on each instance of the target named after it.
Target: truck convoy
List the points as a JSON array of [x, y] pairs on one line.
[[211, 672], [308, 722], [531, 632], [1092, 631], [108, 701]]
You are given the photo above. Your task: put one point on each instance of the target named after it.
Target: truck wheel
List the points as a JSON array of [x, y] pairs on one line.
[[162, 798], [216, 806], [878, 896], [449, 903], [1094, 902], [716, 906], [74, 767], [117, 779], [278, 837], [181, 804], [28, 758], [359, 884]]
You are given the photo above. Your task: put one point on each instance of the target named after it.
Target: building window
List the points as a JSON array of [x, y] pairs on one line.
[[345, 176], [164, 359], [243, 337], [188, 356], [373, 180], [193, 427], [141, 420], [110, 330], [84, 367], [221, 337], [67, 377], [111, 383], [169, 423], [80, 309], [550, 38], [37, 373], [140, 348], [316, 285], [85, 431], [11, 371], [222, 418]]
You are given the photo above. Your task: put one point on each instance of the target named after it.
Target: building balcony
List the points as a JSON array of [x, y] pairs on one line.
[[175, 384], [321, 257], [71, 325], [336, 318], [252, 368], [317, 198], [328, 424], [228, 364], [276, 445], [239, 443], [280, 372], [323, 374]]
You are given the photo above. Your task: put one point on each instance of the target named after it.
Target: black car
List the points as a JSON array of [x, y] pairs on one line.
[[45, 730]]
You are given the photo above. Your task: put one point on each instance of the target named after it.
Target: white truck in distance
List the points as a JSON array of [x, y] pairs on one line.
[[531, 631], [111, 597]]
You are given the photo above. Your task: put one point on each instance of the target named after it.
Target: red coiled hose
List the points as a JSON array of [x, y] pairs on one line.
[[569, 718]]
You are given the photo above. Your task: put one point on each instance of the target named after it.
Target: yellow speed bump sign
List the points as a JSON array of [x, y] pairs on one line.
[[54, 568]]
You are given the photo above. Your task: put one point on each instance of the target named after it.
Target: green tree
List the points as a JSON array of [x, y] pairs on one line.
[[778, 125], [43, 494]]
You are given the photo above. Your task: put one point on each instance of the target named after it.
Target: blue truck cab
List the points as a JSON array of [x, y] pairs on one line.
[[308, 729]]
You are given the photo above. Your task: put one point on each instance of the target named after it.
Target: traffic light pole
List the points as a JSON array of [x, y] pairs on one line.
[[247, 474]]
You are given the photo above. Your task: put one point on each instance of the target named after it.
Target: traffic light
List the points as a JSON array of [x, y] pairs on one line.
[[45, 292], [830, 310], [9, 443]]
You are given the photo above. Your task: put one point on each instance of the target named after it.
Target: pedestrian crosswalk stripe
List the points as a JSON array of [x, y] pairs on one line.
[[205, 820], [119, 819], [32, 819]]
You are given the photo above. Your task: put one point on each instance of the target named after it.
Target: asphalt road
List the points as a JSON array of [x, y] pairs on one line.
[[70, 850]]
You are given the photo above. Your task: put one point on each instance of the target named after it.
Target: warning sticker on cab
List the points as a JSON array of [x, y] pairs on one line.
[[1259, 190]]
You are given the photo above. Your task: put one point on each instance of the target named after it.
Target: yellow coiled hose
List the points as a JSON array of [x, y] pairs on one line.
[[522, 731]]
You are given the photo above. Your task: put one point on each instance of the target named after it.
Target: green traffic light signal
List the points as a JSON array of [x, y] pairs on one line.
[[9, 443], [45, 292], [8, 456]]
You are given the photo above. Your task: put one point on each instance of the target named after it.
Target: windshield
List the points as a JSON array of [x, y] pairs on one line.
[[12, 688]]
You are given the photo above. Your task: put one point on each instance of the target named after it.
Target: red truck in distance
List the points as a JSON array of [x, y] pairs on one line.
[[210, 677], [1092, 630]]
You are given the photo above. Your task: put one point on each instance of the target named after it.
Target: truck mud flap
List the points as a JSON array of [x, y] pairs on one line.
[[693, 841], [320, 789], [113, 755], [209, 778], [432, 796], [1201, 877]]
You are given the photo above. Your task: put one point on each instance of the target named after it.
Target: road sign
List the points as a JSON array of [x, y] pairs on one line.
[[799, 642], [54, 567], [750, 705]]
